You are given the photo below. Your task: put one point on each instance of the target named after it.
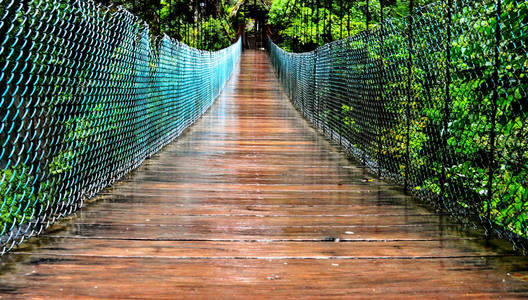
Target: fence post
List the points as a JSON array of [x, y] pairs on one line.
[[340, 68], [315, 113], [379, 105], [446, 108], [303, 94], [327, 98], [409, 96], [364, 95], [495, 97]]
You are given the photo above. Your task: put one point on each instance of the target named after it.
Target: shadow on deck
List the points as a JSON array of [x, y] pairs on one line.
[[252, 202]]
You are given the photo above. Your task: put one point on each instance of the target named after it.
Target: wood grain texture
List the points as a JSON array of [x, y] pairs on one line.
[[250, 203]]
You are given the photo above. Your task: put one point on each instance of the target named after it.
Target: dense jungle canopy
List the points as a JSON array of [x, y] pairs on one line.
[[297, 25]]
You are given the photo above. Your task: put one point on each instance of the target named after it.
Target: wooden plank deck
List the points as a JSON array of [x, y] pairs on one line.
[[253, 203]]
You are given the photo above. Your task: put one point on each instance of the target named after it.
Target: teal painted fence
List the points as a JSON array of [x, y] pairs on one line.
[[87, 94]]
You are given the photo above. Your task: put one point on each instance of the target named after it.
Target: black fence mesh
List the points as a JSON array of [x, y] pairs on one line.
[[437, 102]]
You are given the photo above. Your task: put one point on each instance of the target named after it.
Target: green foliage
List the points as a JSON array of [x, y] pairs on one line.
[[186, 20], [466, 150], [304, 26], [468, 141], [19, 199], [218, 33]]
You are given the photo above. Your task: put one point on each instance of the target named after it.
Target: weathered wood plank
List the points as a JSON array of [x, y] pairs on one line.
[[263, 249], [251, 232], [52, 277], [118, 208]]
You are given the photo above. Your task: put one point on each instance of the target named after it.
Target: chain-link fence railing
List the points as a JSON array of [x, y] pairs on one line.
[[86, 95], [437, 102]]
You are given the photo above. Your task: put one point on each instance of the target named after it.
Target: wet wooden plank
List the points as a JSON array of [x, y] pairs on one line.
[[252, 203], [52, 277], [212, 231], [145, 208], [260, 221], [233, 249]]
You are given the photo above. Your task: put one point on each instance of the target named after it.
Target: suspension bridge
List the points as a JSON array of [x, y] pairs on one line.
[[140, 169]]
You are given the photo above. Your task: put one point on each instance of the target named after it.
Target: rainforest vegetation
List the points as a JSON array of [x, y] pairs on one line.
[[204, 24], [298, 25], [438, 103], [302, 25]]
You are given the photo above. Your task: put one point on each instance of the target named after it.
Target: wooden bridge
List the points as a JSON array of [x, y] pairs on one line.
[[251, 202]]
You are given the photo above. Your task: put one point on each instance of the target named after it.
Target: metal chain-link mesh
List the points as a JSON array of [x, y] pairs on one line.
[[437, 102], [86, 96]]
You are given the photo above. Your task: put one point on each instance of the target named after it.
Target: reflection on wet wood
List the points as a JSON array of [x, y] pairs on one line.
[[253, 203]]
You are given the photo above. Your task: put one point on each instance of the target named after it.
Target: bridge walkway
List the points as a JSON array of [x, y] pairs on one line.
[[252, 202]]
